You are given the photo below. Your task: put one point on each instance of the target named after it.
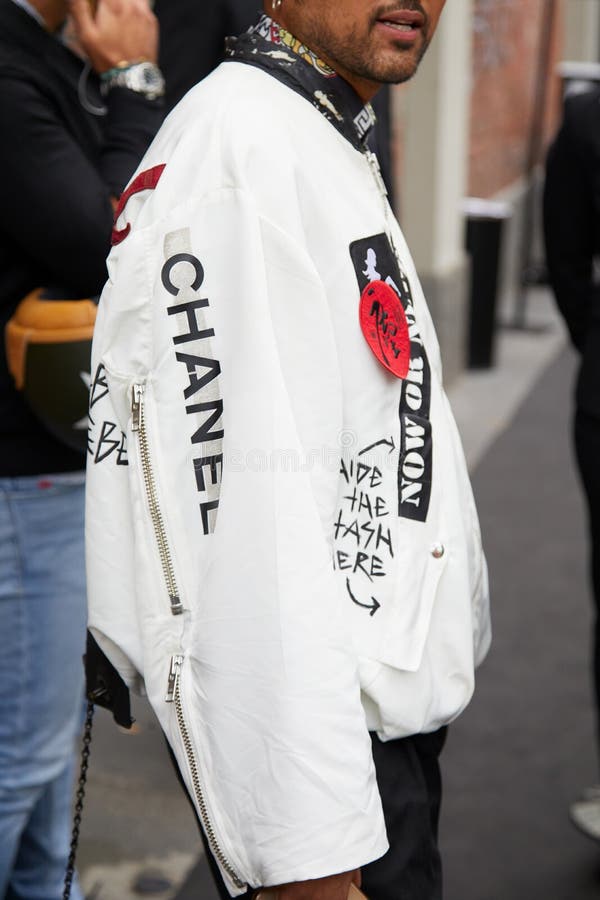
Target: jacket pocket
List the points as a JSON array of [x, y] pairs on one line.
[[406, 633], [195, 781]]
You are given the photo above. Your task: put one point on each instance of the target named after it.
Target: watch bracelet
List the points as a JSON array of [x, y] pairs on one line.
[[113, 78], [121, 67]]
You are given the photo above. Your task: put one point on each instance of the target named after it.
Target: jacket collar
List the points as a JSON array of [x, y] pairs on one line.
[[270, 47]]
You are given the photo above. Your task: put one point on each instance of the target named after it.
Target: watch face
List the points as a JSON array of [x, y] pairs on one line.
[[143, 78], [149, 79]]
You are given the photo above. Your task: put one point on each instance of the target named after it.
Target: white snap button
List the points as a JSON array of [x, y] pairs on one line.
[[437, 551]]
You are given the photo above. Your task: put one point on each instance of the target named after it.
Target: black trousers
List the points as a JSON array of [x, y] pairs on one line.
[[587, 449], [408, 776]]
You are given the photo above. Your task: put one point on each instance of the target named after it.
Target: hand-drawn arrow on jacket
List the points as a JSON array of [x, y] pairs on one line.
[[389, 444], [373, 607]]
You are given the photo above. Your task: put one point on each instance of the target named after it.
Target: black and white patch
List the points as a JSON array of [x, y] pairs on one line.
[[374, 259]]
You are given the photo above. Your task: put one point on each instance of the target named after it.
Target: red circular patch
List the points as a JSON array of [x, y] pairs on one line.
[[383, 323]]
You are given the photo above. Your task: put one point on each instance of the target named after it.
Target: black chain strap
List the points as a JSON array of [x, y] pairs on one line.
[[79, 798]]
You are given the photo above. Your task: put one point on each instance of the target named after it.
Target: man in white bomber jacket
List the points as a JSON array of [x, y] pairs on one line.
[[283, 548]]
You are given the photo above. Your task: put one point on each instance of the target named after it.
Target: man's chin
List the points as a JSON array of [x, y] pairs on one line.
[[394, 74], [397, 66]]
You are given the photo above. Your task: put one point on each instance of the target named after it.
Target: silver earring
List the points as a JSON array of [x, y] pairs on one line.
[[276, 4]]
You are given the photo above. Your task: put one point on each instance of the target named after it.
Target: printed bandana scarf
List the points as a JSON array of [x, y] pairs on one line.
[[270, 47]]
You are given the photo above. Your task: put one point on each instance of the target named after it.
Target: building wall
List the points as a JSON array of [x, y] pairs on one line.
[[433, 178], [464, 126], [582, 30], [506, 46]]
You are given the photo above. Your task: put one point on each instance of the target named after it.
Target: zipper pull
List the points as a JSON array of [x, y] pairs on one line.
[[374, 164], [176, 604], [174, 672], [137, 395]]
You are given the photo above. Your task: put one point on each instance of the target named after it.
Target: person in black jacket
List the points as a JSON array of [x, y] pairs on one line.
[[67, 149], [572, 233], [193, 38]]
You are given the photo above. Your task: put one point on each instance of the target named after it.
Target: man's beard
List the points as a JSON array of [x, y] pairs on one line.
[[397, 70], [352, 53]]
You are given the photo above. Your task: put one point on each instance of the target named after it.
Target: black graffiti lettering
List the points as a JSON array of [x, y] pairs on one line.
[[353, 530], [413, 328], [350, 528], [359, 561], [370, 565], [363, 557], [414, 335], [416, 370], [338, 525], [204, 433], [122, 458], [380, 508], [342, 560], [415, 462], [377, 570], [364, 503], [192, 363], [195, 333], [384, 537], [413, 395], [376, 478], [413, 466], [172, 263], [215, 466], [99, 386], [411, 492], [353, 498], [208, 521], [415, 434], [344, 471], [361, 472], [106, 446], [409, 308], [369, 529], [396, 350]]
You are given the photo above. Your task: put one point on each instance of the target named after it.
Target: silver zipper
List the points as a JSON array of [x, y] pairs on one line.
[[176, 663], [139, 427], [387, 209], [376, 170], [174, 696]]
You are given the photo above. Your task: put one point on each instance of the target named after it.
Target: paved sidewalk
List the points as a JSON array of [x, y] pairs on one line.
[[525, 747]]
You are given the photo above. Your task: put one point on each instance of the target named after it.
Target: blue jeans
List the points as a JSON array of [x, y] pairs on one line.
[[42, 640]]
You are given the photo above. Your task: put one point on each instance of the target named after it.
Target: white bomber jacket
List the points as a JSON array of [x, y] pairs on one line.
[[283, 548]]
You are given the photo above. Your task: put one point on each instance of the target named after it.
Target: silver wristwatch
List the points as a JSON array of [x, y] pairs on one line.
[[143, 78]]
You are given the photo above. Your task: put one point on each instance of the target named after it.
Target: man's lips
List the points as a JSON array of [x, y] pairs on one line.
[[405, 23]]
